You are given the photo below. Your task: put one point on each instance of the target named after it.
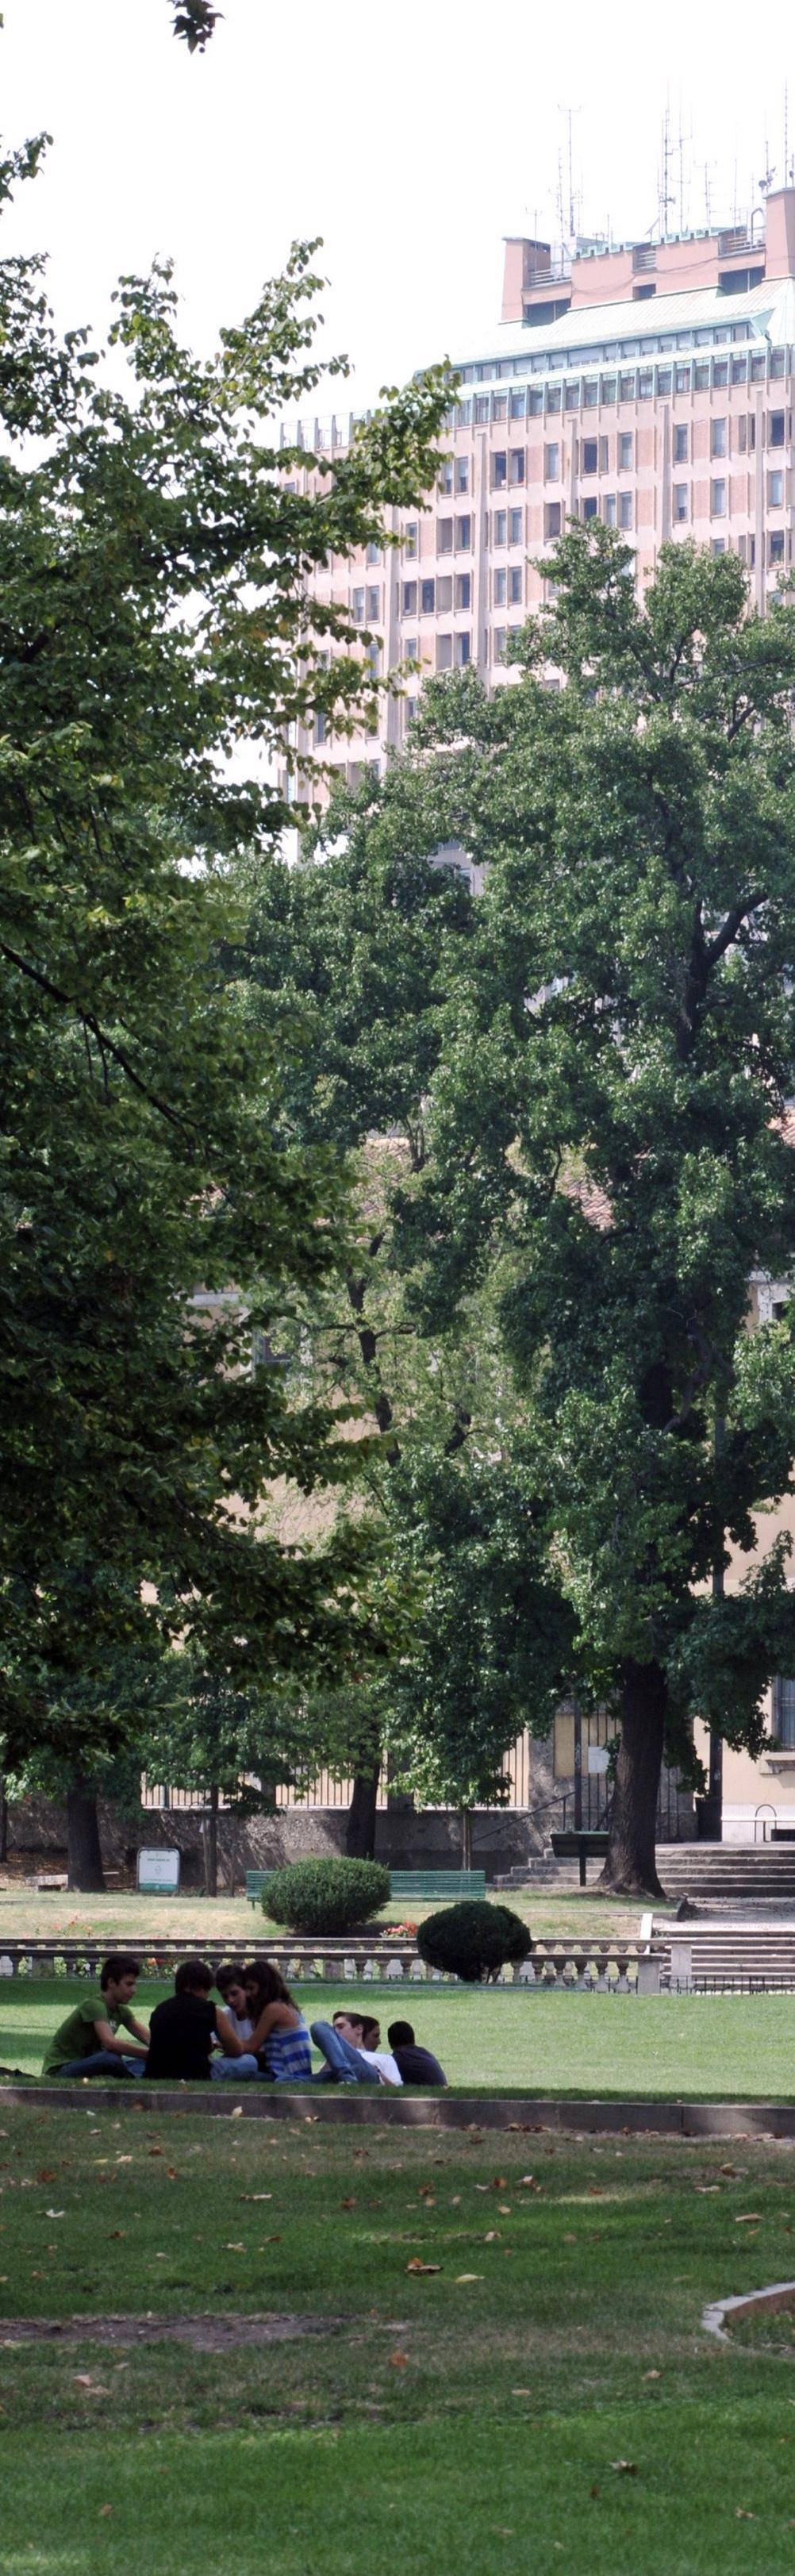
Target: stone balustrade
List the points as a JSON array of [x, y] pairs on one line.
[[575, 1966]]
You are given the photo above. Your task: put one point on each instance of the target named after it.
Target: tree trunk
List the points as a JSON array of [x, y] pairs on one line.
[[84, 1850], [3, 1822], [466, 1837], [210, 1841], [631, 1868], [360, 1828]]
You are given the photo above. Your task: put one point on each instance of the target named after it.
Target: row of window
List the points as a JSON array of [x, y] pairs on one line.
[[433, 598], [487, 371], [589, 393]]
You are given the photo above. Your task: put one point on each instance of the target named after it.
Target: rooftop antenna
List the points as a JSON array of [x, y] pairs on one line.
[[764, 185], [666, 189], [573, 204], [707, 195]]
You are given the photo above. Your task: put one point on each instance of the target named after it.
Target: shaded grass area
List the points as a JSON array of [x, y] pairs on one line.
[[547, 2394], [231, 1923], [692, 2046]]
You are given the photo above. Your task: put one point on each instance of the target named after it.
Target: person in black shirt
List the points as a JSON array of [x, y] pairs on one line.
[[416, 2065], [182, 2030]]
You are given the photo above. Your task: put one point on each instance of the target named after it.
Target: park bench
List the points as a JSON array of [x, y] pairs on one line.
[[421, 1886], [256, 1879], [581, 1847]]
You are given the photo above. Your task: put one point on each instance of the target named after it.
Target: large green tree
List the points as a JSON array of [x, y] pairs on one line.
[[605, 1124], [157, 646]]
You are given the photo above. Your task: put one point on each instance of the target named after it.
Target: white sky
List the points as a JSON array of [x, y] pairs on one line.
[[411, 133]]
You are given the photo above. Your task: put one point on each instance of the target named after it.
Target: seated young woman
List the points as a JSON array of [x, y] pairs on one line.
[[279, 2039]]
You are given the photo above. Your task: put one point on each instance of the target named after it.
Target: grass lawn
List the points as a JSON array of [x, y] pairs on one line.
[[733, 2046], [231, 1923], [543, 2399]]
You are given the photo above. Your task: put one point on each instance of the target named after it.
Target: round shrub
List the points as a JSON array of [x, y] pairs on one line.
[[326, 1895], [473, 1940]]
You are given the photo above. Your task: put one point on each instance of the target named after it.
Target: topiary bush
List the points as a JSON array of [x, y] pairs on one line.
[[326, 1895], [473, 1940]]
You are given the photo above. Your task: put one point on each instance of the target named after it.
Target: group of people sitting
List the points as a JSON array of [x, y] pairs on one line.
[[256, 2033]]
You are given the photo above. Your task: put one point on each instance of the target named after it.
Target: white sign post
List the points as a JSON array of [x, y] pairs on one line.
[[158, 1873]]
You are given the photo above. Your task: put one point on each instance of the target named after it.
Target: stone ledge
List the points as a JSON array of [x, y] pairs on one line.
[[751, 2303], [380, 2109]]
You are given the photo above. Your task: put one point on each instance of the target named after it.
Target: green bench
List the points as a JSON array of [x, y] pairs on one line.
[[256, 1879], [581, 1847], [421, 1885]]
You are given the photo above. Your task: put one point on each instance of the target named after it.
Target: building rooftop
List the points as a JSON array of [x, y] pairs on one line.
[[622, 330]]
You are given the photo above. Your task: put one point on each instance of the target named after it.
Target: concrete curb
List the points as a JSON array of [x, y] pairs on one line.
[[781, 2294], [361, 2108]]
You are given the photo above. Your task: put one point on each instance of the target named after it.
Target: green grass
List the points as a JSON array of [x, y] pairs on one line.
[[734, 2046], [231, 1923], [448, 2426]]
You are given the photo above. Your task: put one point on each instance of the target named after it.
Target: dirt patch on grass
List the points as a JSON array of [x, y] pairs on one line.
[[224, 2333]]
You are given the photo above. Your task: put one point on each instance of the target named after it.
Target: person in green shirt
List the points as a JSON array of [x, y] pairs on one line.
[[86, 2043]]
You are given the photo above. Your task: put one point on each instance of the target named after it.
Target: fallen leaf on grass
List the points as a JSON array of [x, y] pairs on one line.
[[746, 2218], [595, 2491], [55, 2213], [416, 2266], [625, 2468], [398, 2361], [234, 2245], [237, 2113], [460, 2278], [106, 2508], [742, 2513], [256, 2195], [350, 2203], [521, 2392], [651, 2374]]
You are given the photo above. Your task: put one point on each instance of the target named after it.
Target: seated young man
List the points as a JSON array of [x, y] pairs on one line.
[[182, 2030], [351, 2058], [86, 2042], [415, 2065], [231, 1985]]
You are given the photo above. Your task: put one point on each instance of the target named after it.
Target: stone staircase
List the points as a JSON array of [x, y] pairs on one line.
[[711, 1956], [720, 1875]]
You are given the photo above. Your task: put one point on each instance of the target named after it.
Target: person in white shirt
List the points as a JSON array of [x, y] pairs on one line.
[[384, 2065], [343, 2045]]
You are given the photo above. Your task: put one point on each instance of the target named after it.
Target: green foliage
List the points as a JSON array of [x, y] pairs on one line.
[[473, 1940], [195, 21], [326, 1896], [156, 1215]]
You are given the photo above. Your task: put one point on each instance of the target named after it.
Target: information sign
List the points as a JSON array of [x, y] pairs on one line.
[[158, 1873]]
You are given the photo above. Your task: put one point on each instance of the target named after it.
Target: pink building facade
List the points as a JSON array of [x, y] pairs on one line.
[[648, 386]]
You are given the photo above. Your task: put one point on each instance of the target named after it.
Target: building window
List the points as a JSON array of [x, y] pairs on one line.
[[409, 599], [516, 463], [463, 535], [590, 508], [373, 553], [571, 398], [590, 393], [445, 483], [719, 545], [499, 407], [610, 509], [645, 383], [552, 518], [552, 462], [626, 514], [463, 590], [411, 647], [718, 438], [444, 652], [499, 470], [462, 473], [717, 500], [608, 390], [516, 405], [515, 578], [444, 595], [427, 598], [498, 643], [374, 659], [626, 451], [535, 401], [444, 536], [775, 554], [500, 527], [553, 397], [739, 371], [758, 370], [320, 726], [374, 601], [357, 607], [500, 589], [681, 501], [775, 491], [515, 528], [410, 538], [682, 380], [626, 388], [590, 455], [482, 407], [701, 376], [775, 429], [681, 442], [463, 651], [784, 1711]]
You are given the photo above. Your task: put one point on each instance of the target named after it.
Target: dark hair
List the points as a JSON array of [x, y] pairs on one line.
[[120, 1964], [400, 2034], [369, 2023], [193, 1977], [271, 1988], [231, 1974], [345, 2012]]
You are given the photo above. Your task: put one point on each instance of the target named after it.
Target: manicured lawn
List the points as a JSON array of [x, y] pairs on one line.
[[231, 1923], [545, 2399], [734, 2046]]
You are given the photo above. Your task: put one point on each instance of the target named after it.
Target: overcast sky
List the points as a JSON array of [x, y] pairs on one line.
[[412, 136]]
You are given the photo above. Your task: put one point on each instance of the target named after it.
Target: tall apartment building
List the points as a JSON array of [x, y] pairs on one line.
[[649, 386]]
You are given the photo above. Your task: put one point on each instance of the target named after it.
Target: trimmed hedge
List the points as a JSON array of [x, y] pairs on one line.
[[326, 1896], [473, 1940]]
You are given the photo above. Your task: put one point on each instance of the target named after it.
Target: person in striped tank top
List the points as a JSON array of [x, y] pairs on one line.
[[279, 2039]]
